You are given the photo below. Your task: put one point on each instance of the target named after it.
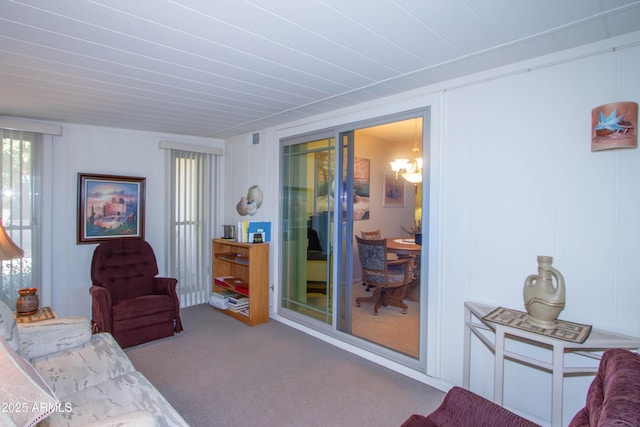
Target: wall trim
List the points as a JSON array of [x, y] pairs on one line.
[[29, 126], [174, 145]]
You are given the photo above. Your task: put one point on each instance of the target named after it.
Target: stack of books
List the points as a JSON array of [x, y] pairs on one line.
[[220, 299], [239, 304]]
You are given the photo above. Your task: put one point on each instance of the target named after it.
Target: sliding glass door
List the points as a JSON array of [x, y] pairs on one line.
[[386, 206], [338, 185], [307, 181]]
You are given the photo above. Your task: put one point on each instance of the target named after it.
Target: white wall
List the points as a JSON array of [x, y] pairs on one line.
[[87, 149], [247, 165], [513, 177], [521, 181]]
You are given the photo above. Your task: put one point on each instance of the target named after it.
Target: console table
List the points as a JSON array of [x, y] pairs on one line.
[[597, 341]]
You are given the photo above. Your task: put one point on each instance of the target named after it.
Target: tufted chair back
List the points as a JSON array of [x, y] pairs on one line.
[[126, 267]]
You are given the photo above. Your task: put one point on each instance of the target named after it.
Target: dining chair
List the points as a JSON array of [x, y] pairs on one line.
[[370, 235], [383, 274]]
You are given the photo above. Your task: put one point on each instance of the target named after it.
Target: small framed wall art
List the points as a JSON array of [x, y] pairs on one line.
[[110, 207], [392, 191], [614, 126]]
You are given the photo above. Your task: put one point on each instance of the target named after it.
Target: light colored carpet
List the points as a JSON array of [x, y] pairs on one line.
[[220, 372], [390, 328]]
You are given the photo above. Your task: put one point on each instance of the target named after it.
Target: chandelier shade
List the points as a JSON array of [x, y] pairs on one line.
[[410, 170]]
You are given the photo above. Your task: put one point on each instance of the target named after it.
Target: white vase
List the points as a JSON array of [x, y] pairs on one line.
[[543, 300]]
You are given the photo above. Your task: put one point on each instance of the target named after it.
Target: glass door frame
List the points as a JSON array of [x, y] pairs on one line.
[[327, 134], [343, 238], [342, 267]]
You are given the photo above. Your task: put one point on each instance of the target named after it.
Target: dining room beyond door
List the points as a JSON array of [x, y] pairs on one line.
[[393, 215]]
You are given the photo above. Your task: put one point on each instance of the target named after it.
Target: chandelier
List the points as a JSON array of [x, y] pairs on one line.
[[410, 170]]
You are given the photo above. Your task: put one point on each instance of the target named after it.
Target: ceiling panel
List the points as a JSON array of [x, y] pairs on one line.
[[439, 18], [511, 20], [428, 48], [227, 67]]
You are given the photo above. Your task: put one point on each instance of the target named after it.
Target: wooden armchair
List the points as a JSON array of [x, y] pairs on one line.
[[128, 300]]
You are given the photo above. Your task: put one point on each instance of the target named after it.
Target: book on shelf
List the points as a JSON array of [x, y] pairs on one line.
[[244, 290], [238, 308], [233, 283], [226, 294], [241, 259], [238, 299], [232, 256], [243, 310], [248, 229]]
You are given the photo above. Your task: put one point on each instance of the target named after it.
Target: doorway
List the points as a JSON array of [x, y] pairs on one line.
[[338, 184]]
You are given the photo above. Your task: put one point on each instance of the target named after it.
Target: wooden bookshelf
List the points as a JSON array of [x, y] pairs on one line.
[[249, 264]]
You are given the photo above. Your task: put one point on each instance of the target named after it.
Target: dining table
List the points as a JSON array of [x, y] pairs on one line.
[[403, 246], [407, 247]]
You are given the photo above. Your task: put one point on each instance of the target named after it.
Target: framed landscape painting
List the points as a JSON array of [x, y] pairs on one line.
[[110, 207]]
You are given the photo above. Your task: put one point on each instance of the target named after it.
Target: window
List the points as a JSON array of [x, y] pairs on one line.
[[190, 218], [20, 159]]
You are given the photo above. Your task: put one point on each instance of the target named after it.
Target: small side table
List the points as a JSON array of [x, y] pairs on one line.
[[597, 341], [43, 313]]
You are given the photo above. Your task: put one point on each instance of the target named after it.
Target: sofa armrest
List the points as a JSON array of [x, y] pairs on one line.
[[101, 302], [50, 336], [462, 407], [130, 419], [613, 398]]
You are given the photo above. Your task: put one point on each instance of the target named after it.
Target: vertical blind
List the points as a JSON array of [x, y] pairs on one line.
[[21, 167], [190, 218]]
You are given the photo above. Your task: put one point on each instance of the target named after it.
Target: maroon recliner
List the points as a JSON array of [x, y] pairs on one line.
[[128, 300]]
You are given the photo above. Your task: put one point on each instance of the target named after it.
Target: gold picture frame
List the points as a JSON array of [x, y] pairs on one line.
[[110, 207]]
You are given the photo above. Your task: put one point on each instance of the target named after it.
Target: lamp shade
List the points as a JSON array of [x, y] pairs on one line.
[[8, 249]]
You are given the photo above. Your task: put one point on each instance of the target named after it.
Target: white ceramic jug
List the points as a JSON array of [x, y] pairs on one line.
[[543, 300]]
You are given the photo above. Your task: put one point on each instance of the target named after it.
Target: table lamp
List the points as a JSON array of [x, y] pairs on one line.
[[8, 249], [27, 302]]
